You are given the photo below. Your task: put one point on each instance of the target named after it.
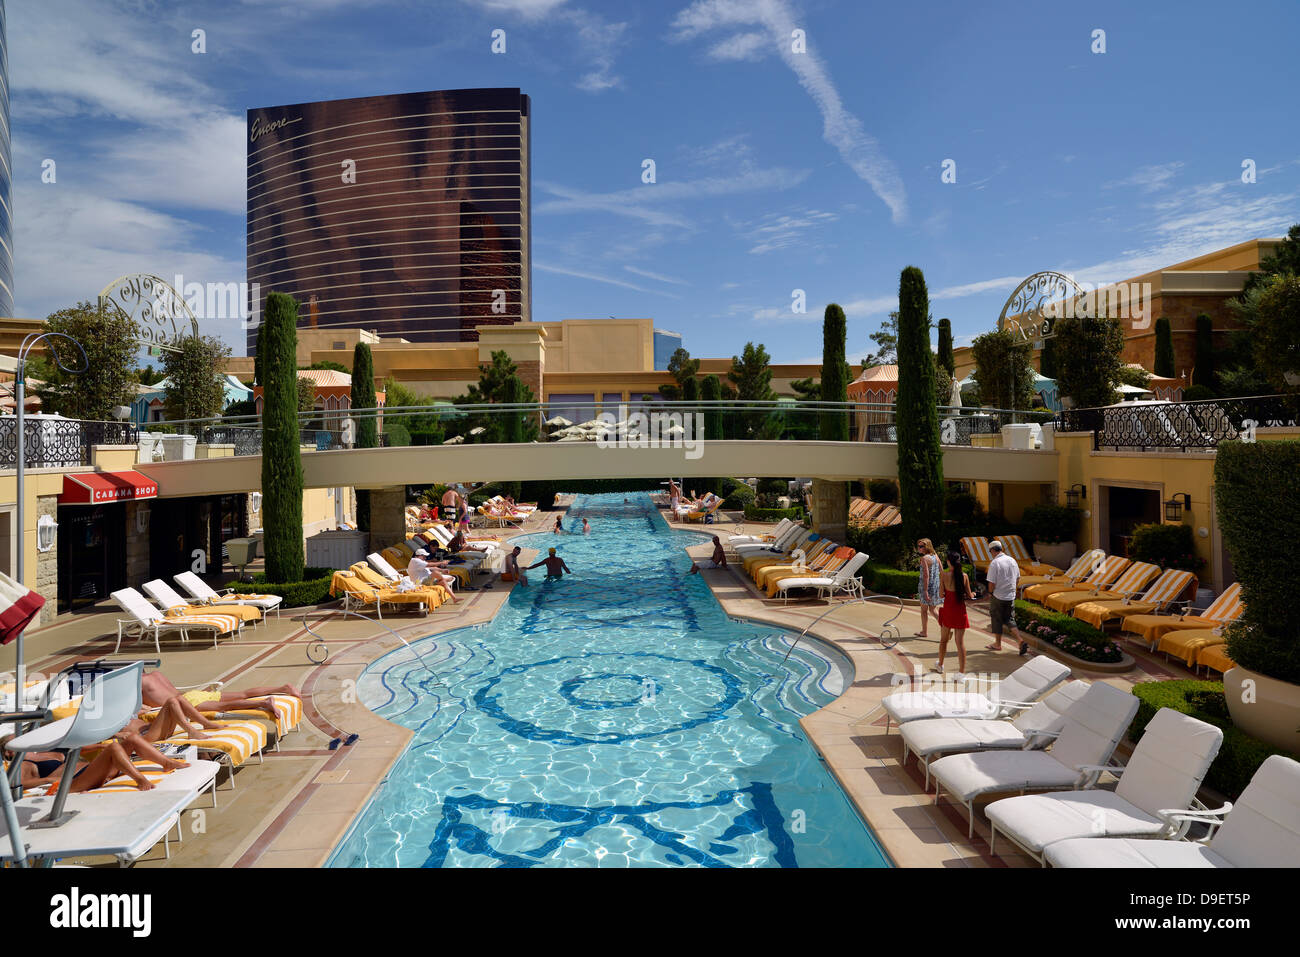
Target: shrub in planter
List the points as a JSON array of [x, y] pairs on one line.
[[884, 491], [1239, 757], [1050, 524], [962, 507], [740, 496], [890, 581], [312, 590], [886, 546], [1169, 546], [773, 486], [1071, 635]]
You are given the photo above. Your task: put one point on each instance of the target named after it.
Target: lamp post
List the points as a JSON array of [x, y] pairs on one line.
[[20, 672]]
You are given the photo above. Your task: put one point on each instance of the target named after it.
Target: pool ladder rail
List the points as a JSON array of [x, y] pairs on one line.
[[889, 633], [318, 651]]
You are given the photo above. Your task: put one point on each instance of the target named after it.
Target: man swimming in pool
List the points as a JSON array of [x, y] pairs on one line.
[[555, 567]]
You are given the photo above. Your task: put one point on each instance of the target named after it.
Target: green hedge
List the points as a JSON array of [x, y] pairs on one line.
[[755, 514], [1050, 524], [314, 589], [1076, 637], [740, 496], [1169, 546], [1254, 488], [1239, 757], [890, 581]]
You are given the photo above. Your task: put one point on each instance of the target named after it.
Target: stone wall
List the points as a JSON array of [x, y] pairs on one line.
[[387, 517], [47, 563], [830, 509], [137, 543]]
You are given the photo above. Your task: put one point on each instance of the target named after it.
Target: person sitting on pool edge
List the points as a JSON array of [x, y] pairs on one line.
[[719, 557], [513, 572], [555, 567]]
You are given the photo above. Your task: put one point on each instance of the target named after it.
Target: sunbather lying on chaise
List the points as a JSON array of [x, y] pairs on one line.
[[156, 691], [112, 759]]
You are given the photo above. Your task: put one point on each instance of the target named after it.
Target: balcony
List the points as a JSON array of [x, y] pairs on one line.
[[55, 442]]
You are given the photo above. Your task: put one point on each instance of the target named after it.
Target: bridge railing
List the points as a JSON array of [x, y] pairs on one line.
[[635, 423]]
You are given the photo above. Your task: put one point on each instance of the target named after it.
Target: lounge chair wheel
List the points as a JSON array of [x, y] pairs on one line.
[[317, 652]]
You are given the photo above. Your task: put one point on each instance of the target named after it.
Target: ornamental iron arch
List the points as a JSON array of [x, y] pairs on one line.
[[162, 314], [1024, 314]]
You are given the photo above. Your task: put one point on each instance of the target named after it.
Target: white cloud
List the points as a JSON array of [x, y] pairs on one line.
[[840, 128], [645, 202], [782, 230], [598, 39], [1149, 179], [743, 46], [656, 276], [594, 277], [528, 9]]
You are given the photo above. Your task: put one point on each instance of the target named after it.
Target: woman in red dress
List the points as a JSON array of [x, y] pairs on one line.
[[952, 614]]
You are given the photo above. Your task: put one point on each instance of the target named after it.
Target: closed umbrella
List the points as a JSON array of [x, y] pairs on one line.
[[454, 440], [558, 422]]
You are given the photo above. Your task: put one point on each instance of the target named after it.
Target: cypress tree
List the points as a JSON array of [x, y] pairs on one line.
[[364, 396], [367, 436], [920, 460], [281, 460], [512, 393], [1164, 363], [946, 358], [834, 426], [690, 389], [1203, 366], [257, 357], [711, 391]]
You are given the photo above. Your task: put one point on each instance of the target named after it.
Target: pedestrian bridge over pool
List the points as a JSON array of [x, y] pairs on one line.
[[427, 464]]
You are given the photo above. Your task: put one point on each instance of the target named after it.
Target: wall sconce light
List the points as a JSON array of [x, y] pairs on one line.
[[1174, 507], [46, 526], [1203, 532], [256, 501], [1074, 494]]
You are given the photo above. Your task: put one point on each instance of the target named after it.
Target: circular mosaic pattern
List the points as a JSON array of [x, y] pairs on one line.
[[608, 691], [566, 701]]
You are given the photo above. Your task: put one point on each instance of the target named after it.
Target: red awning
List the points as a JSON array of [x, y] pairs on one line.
[[98, 488]]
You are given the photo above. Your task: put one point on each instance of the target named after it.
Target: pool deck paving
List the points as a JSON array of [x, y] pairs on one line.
[[850, 733], [293, 808]]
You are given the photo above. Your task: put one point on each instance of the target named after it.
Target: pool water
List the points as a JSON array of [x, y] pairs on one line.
[[614, 718]]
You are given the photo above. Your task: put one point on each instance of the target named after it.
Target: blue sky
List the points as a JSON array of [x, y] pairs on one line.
[[775, 170]]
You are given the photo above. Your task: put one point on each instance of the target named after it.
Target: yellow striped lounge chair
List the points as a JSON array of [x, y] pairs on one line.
[[149, 622], [814, 546], [205, 594], [233, 744], [1164, 590], [437, 593], [1079, 569], [356, 592], [288, 714], [801, 538], [1016, 548], [812, 557], [1216, 657], [703, 515], [1188, 644], [889, 515], [1101, 576], [1151, 628], [977, 550], [826, 567], [1135, 578]]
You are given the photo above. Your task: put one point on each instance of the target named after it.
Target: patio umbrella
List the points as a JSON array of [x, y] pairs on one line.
[[558, 421], [574, 438], [592, 424], [454, 440], [674, 430], [479, 430]]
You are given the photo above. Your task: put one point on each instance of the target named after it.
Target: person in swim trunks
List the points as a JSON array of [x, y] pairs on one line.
[[48, 767], [555, 567]]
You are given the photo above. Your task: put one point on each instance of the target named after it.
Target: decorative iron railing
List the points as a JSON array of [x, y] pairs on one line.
[[53, 442], [1185, 426]]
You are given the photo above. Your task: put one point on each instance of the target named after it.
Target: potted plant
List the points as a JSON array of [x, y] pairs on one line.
[[1254, 485], [1053, 529]]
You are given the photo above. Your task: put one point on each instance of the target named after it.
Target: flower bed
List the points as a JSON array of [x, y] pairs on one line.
[[1074, 637]]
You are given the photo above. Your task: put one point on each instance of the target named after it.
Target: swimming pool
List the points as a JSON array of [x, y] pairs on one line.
[[615, 718]]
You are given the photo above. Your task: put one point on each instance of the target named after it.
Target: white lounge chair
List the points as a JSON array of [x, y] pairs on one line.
[[444, 538], [1160, 779], [843, 580], [378, 563], [1261, 830], [1016, 691], [779, 545], [108, 703], [173, 604], [1092, 729], [781, 528], [205, 594], [1033, 728], [150, 622]]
